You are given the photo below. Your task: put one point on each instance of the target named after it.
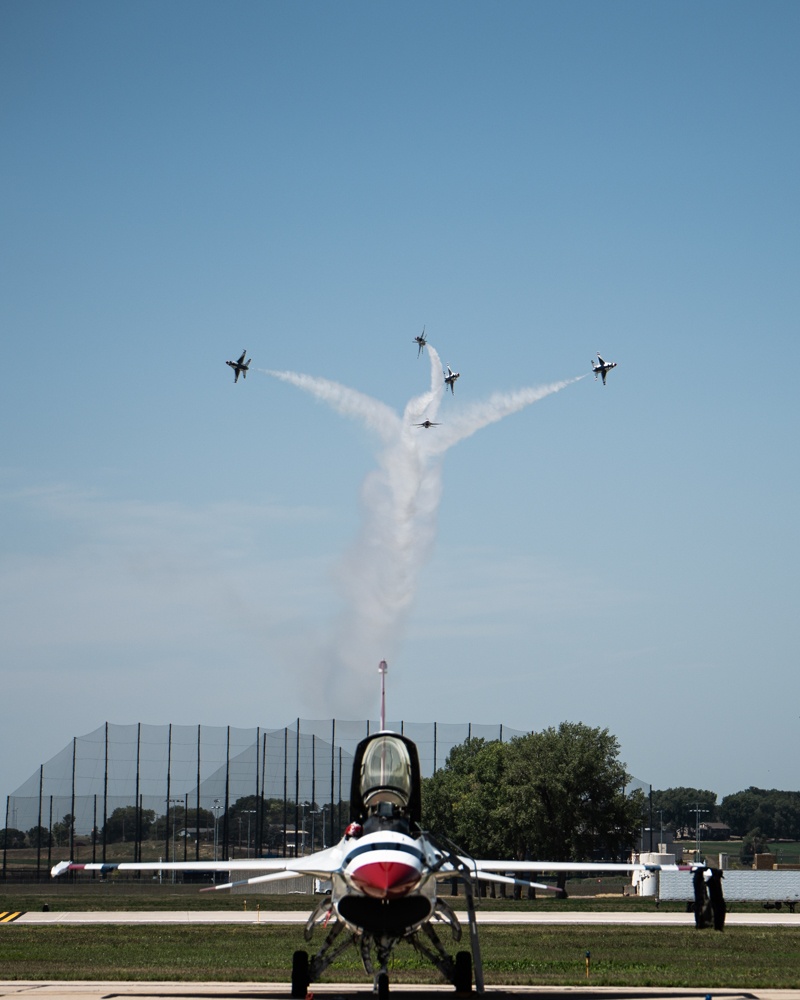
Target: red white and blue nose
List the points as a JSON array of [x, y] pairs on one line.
[[384, 866]]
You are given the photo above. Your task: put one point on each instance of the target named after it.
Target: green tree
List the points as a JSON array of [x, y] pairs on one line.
[[677, 807], [738, 811], [565, 795], [61, 831], [774, 812], [121, 824], [557, 795], [38, 836], [11, 838], [463, 799], [754, 842], [243, 821]]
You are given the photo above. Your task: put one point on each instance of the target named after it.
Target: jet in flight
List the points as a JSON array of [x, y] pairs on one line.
[[602, 368], [450, 379], [240, 367], [385, 875], [426, 424], [420, 341]]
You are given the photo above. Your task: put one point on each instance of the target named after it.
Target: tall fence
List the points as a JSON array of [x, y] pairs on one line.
[[281, 790]]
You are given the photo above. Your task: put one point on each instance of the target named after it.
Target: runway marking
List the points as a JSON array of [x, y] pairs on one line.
[[6, 917]]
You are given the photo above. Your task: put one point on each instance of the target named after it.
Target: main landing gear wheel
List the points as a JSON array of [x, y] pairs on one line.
[[300, 975], [383, 986], [462, 980]]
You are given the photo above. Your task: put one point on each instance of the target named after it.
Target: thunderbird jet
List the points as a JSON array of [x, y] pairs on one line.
[[450, 379], [426, 424], [602, 368], [240, 367], [420, 341], [385, 874]]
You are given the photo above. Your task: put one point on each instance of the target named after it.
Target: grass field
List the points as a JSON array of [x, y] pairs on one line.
[[741, 957], [131, 895]]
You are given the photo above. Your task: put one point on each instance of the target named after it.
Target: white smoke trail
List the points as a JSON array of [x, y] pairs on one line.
[[377, 416], [378, 575], [497, 406]]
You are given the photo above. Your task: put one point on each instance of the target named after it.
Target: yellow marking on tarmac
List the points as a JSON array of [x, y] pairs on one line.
[[7, 916]]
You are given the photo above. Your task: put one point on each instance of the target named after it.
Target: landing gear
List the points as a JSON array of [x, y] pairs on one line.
[[300, 975], [382, 986]]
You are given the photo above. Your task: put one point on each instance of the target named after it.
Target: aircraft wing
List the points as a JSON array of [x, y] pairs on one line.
[[490, 870], [520, 867], [321, 864]]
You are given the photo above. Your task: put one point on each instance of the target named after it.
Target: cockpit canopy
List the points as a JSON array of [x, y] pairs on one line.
[[386, 773], [386, 779]]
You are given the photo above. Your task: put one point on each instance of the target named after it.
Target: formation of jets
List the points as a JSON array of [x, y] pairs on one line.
[[240, 367], [385, 874], [600, 367]]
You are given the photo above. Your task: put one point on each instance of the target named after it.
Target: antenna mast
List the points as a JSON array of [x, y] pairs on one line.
[[382, 668]]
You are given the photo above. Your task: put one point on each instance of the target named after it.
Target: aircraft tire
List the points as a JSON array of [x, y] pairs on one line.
[[462, 980], [383, 986], [300, 975]]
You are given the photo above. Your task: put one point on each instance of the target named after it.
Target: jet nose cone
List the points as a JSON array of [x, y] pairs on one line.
[[386, 879]]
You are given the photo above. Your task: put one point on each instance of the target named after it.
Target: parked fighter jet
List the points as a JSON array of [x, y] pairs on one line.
[[450, 379], [384, 872], [240, 367], [420, 341], [602, 368], [426, 424]]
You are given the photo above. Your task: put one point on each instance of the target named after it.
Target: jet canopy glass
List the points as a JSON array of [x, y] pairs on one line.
[[386, 773]]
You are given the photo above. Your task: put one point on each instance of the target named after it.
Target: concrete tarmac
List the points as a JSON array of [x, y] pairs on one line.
[[281, 991], [653, 918]]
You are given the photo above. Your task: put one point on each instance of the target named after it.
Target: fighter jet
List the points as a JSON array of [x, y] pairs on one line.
[[421, 341], [240, 367], [450, 379], [426, 424], [385, 873], [602, 368]]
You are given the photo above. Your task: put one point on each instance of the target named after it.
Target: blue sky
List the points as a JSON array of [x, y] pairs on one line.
[[533, 183]]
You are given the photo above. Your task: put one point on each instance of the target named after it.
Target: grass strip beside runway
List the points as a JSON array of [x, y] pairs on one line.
[[741, 957]]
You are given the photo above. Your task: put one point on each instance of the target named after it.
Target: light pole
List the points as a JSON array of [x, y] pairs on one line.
[[173, 803], [314, 814], [248, 813], [697, 811], [217, 808]]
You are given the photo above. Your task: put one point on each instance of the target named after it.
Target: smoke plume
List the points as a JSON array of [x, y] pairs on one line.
[[400, 498]]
